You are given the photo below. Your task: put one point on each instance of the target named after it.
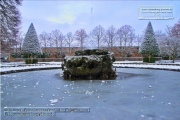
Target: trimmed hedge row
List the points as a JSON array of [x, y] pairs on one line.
[[31, 61], [152, 60], [27, 55]]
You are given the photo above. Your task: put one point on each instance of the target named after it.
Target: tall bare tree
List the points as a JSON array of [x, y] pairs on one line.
[[69, 40], [111, 36], [168, 31], [58, 38], [20, 38], [171, 44], [50, 40], [55, 36], [139, 39], [61, 43], [10, 20], [126, 36], [97, 34], [171, 47], [176, 30], [119, 36], [160, 36], [81, 36], [44, 39]]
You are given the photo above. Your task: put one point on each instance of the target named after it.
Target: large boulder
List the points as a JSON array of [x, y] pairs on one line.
[[89, 64]]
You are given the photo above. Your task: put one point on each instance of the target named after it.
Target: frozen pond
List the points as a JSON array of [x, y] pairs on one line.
[[151, 95]]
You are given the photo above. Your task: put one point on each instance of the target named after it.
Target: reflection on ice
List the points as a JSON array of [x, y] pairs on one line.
[[138, 97]]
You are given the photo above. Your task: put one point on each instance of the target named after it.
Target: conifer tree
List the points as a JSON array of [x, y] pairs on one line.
[[31, 44], [149, 47]]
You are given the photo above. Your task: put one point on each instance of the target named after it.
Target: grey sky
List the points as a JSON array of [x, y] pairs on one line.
[[69, 16]]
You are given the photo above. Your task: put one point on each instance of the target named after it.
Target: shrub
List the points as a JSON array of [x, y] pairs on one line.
[[37, 55], [31, 61], [152, 60], [145, 59], [26, 55], [166, 58], [35, 61], [28, 61], [16, 55], [44, 55]]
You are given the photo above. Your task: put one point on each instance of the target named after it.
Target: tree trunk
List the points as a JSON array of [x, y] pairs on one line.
[[69, 49], [149, 58], [173, 58]]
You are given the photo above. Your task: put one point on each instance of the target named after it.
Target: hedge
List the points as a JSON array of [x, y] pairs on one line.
[[152, 60], [31, 61], [145, 59]]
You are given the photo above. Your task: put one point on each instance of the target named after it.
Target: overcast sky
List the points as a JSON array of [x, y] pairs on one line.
[[69, 16]]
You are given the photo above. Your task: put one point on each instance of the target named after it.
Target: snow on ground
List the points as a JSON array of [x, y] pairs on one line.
[[27, 67], [117, 62], [140, 64], [20, 66], [150, 66], [16, 64], [157, 62]]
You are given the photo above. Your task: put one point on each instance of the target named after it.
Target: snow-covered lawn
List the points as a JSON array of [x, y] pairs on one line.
[[20, 66], [157, 62], [17, 64], [153, 66], [120, 62], [140, 64]]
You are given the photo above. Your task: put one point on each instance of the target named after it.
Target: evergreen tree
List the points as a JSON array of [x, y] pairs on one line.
[[149, 46], [31, 43]]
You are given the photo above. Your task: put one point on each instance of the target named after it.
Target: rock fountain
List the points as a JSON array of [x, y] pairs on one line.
[[89, 64]]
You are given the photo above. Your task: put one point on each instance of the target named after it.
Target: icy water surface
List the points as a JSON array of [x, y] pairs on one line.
[[143, 95]]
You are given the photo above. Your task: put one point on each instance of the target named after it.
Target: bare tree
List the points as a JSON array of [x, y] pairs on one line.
[[120, 37], [44, 38], [176, 30], [19, 41], [58, 39], [126, 36], [171, 44], [69, 40], [139, 39], [61, 42], [80, 36], [50, 40], [176, 37], [97, 34], [160, 36], [131, 37], [168, 31], [9, 23], [55, 36], [161, 39], [110, 36]]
